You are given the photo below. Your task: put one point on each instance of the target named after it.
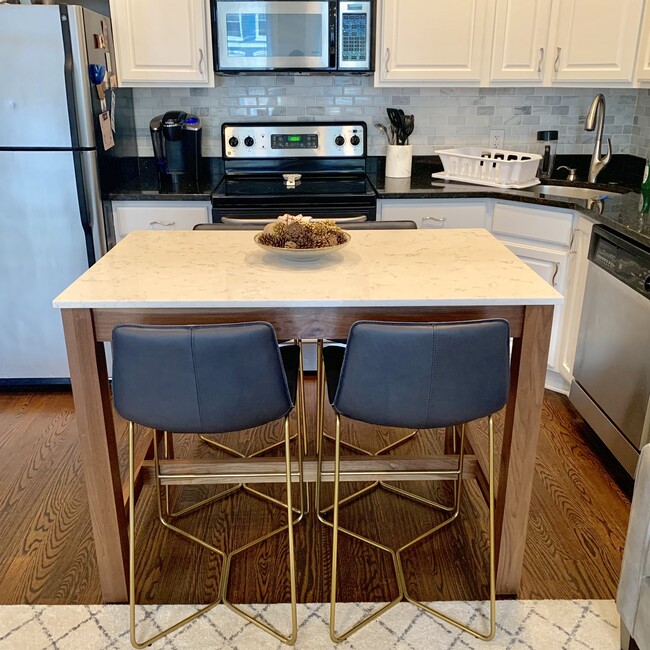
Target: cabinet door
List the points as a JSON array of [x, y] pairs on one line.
[[643, 58], [439, 41], [436, 213], [596, 40], [162, 44], [157, 215], [579, 263], [520, 40], [552, 266]]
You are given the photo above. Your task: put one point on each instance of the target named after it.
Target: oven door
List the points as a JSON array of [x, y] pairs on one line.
[[275, 35]]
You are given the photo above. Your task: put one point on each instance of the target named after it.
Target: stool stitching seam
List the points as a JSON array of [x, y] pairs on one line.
[[196, 379], [434, 359]]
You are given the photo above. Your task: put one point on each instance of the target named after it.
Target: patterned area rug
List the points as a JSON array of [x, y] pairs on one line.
[[522, 625]]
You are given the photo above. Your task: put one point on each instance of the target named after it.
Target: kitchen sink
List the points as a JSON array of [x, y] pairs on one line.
[[585, 193]]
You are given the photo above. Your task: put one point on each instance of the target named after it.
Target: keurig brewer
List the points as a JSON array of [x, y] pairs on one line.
[[176, 138]]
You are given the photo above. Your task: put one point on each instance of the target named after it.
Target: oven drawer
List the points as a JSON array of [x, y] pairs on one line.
[[340, 213]]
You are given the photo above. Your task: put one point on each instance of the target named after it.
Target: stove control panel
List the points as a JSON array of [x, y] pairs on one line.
[[294, 140]]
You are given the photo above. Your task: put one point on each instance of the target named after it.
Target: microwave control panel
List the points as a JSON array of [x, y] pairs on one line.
[[355, 22]]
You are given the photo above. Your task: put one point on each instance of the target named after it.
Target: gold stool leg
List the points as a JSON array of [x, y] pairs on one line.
[[320, 428], [291, 638], [492, 629], [169, 454], [132, 623], [337, 638]]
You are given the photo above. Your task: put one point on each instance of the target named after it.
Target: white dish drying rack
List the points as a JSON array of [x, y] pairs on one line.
[[492, 167]]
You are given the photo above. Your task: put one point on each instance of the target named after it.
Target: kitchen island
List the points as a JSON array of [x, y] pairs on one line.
[[215, 277]]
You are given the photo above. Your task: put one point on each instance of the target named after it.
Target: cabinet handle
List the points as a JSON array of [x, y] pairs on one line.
[[387, 60], [167, 224], [557, 60], [541, 60], [556, 265], [201, 60]]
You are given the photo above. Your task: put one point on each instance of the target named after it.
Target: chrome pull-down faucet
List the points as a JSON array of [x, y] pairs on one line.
[[596, 119]]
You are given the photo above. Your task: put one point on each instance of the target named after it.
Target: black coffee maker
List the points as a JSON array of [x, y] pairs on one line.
[[176, 138]]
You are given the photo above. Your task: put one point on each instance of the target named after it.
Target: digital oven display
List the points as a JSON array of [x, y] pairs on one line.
[[304, 141]]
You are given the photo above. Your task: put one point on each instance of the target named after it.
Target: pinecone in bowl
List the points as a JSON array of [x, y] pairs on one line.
[[300, 233]]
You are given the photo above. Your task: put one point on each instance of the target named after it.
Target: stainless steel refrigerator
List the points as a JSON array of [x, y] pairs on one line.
[[51, 150]]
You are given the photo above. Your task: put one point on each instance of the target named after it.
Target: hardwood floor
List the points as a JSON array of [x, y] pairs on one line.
[[574, 546]]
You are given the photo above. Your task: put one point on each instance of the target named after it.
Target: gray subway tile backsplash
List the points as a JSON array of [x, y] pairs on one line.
[[444, 117]]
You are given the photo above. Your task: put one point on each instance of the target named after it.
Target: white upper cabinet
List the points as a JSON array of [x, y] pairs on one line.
[[595, 40], [643, 58], [431, 43], [520, 41], [162, 43]]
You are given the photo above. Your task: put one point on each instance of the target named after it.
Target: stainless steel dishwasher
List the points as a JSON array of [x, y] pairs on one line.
[[611, 387]]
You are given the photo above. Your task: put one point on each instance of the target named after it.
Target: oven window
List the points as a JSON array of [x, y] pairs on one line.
[[274, 35]]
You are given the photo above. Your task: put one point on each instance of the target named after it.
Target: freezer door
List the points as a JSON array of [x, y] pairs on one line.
[[42, 250], [34, 104]]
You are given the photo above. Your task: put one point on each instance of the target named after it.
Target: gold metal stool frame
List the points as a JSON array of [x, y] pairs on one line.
[[396, 555], [320, 417], [226, 557], [301, 434]]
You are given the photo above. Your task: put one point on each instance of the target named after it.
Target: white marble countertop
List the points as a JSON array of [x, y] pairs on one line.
[[206, 269]]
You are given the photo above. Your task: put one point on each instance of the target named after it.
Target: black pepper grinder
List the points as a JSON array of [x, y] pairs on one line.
[[548, 140]]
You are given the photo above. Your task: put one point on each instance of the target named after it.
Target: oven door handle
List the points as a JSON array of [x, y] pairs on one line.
[[263, 222]]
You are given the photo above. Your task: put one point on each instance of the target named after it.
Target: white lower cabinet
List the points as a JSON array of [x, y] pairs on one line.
[[578, 264], [552, 241], [157, 215], [553, 267], [437, 213]]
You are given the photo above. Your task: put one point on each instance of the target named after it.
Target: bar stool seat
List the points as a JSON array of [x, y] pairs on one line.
[[208, 379], [421, 376]]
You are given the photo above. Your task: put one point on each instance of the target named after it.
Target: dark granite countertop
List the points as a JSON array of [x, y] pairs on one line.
[[148, 186], [621, 213], [618, 212]]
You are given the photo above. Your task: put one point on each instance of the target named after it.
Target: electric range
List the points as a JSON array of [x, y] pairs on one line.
[[311, 168]]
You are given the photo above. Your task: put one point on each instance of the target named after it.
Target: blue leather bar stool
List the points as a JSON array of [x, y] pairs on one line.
[[205, 380], [417, 376], [221, 227]]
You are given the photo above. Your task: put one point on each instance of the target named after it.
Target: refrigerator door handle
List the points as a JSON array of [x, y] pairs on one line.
[[92, 213], [80, 93]]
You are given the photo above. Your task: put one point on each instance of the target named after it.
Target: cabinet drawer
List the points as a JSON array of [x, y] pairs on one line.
[[541, 224], [437, 213], [157, 216]]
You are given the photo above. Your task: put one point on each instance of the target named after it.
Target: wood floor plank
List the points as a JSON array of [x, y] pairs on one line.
[[576, 528]]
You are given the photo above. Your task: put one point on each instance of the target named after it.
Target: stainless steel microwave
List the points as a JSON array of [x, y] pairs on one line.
[[293, 35]]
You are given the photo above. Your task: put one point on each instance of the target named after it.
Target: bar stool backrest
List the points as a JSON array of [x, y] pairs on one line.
[[199, 379], [424, 375]]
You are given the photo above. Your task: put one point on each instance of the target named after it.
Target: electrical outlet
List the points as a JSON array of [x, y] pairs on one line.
[[496, 138]]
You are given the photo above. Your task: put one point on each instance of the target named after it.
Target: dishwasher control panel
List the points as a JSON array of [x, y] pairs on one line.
[[625, 260]]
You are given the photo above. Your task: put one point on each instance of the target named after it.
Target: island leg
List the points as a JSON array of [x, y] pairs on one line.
[[98, 446], [519, 450]]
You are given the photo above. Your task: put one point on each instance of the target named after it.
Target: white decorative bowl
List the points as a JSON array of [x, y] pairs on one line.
[[301, 254]]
